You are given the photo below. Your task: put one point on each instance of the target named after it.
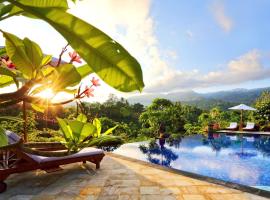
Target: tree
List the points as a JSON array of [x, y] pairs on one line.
[[262, 105], [163, 111]]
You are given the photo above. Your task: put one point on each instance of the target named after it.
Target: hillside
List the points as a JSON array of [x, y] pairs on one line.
[[223, 99]]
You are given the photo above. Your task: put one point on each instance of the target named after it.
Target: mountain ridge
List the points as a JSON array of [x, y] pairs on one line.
[[238, 95]]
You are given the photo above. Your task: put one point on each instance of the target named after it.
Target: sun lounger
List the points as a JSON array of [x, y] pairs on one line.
[[233, 126], [15, 160], [249, 127]]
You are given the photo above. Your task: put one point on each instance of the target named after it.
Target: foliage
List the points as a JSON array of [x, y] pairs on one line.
[[79, 133], [191, 129], [163, 112], [18, 126], [262, 105]]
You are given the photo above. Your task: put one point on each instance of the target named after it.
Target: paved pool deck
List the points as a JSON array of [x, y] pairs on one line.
[[118, 178]]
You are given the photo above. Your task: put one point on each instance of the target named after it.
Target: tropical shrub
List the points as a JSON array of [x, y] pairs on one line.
[[79, 133]]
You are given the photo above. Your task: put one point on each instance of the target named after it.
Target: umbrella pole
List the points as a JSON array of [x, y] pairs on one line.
[[241, 121]]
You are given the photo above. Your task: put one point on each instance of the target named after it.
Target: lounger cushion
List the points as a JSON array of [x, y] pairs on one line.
[[12, 137], [86, 152], [233, 125]]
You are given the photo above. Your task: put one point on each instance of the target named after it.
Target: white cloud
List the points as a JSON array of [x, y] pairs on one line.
[[223, 20], [130, 23], [247, 67]]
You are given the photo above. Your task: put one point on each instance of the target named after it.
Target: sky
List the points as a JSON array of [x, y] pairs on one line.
[[204, 46]]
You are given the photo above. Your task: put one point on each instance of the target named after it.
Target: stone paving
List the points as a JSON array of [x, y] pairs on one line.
[[117, 179]]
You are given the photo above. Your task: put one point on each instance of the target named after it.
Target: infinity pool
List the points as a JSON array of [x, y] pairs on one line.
[[242, 160]]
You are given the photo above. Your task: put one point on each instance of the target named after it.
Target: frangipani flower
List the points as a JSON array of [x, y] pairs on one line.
[[74, 57], [8, 63], [95, 82], [88, 91]]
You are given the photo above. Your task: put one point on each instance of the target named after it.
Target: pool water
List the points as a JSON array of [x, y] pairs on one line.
[[242, 160]]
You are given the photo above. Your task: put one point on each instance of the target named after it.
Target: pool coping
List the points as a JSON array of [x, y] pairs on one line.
[[243, 188]]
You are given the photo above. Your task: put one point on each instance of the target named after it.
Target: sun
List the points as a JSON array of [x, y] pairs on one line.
[[47, 94]]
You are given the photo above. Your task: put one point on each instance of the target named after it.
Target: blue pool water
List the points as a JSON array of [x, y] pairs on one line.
[[230, 158]]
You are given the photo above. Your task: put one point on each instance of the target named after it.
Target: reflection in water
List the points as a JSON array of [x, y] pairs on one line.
[[217, 141], [158, 153], [263, 145], [235, 158]]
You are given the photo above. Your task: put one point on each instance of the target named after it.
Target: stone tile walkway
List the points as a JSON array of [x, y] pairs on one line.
[[117, 179]]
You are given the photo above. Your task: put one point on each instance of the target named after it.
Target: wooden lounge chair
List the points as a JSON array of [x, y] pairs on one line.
[[249, 127], [233, 126], [15, 160]]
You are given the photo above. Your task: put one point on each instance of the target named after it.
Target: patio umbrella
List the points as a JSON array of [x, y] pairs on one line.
[[242, 107]]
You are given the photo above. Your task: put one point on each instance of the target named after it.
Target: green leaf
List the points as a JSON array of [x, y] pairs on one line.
[[5, 81], [87, 130], [110, 130], [33, 52], [76, 127], [82, 118], [97, 124], [3, 138], [16, 51], [17, 119], [67, 76], [62, 4], [104, 56], [38, 107], [84, 70], [7, 72], [3, 51], [59, 4], [46, 60], [66, 130], [5, 9]]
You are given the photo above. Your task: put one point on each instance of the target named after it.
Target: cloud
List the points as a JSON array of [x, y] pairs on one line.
[[130, 23], [223, 20], [247, 67]]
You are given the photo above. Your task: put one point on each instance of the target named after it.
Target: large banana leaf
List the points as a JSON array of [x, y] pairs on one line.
[[103, 55]]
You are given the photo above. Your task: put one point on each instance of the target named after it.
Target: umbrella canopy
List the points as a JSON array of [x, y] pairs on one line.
[[242, 107]]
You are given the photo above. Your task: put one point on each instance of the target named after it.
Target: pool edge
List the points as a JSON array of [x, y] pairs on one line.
[[243, 188]]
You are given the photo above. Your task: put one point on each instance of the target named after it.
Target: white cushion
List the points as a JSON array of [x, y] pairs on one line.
[[89, 151]]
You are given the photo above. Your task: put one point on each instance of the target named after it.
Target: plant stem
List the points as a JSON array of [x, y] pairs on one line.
[[61, 54], [25, 122]]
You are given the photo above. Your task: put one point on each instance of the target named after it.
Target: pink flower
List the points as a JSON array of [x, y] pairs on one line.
[[74, 57], [8, 63], [88, 91], [95, 82]]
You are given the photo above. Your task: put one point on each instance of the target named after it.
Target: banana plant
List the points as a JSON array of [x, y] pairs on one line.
[[103, 55], [79, 133]]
